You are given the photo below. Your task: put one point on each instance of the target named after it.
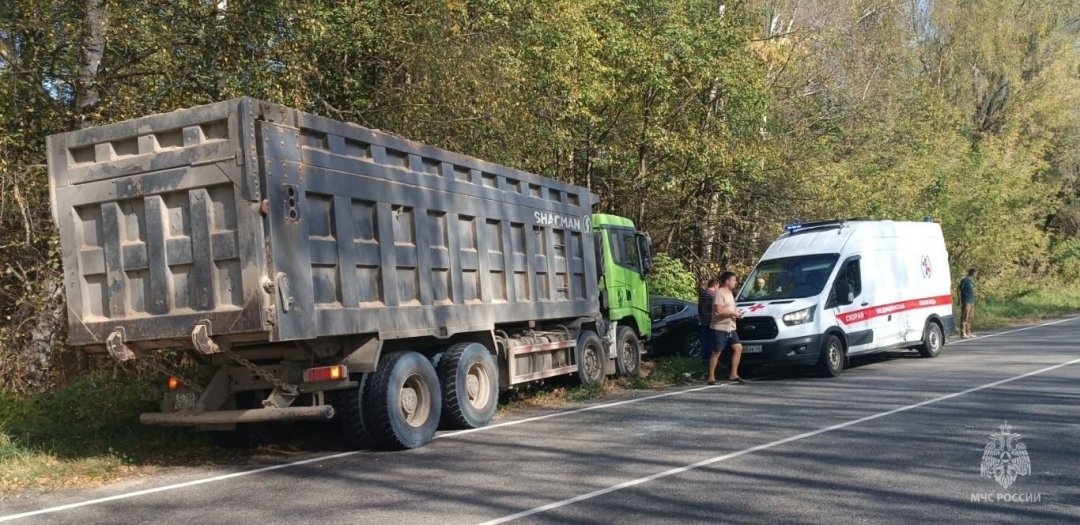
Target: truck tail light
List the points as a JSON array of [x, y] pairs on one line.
[[174, 383], [326, 373]]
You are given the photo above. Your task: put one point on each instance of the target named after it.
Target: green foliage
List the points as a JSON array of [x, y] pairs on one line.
[[669, 371], [1065, 258], [93, 415], [708, 123], [670, 277], [587, 392]]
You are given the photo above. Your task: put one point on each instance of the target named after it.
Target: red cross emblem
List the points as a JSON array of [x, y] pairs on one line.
[[757, 307], [927, 269]]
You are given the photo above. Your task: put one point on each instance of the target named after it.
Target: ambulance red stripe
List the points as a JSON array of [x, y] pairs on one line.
[[866, 314]]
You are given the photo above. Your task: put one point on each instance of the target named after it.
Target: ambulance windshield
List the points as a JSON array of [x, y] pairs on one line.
[[789, 278]]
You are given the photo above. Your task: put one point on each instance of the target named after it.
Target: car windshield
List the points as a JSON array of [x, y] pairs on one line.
[[788, 278]]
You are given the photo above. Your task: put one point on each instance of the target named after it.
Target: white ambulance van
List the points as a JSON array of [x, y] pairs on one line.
[[825, 291]]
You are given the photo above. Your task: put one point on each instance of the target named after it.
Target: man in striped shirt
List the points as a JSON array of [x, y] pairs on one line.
[[705, 298]]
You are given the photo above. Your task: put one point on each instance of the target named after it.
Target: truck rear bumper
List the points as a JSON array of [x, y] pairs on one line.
[[225, 417]]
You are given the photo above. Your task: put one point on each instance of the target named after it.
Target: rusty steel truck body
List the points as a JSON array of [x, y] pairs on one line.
[[322, 270]]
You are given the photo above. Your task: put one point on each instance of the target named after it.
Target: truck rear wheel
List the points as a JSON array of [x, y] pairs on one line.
[[628, 357], [831, 361], [590, 358], [470, 388], [350, 410], [402, 402]]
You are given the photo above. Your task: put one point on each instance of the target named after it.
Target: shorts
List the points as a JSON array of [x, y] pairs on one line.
[[723, 340], [967, 311]]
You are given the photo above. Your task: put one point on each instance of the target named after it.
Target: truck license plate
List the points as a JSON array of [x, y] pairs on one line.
[[184, 401], [752, 349]]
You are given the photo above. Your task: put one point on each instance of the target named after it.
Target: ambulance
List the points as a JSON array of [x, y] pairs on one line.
[[827, 291]]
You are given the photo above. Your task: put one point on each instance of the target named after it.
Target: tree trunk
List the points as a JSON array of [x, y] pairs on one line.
[[47, 332], [45, 335], [91, 52]]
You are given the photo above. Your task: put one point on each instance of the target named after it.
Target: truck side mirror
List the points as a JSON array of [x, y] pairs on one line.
[[644, 244]]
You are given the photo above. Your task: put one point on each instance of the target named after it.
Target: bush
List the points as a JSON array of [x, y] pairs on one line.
[[98, 413], [1065, 257], [670, 277]]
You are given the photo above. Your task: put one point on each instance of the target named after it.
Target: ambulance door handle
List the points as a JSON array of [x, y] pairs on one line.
[[866, 303]]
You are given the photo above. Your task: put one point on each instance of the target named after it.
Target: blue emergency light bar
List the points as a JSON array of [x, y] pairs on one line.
[[796, 227]]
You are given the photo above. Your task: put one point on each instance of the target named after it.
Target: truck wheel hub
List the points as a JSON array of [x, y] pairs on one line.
[[408, 401], [472, 386]]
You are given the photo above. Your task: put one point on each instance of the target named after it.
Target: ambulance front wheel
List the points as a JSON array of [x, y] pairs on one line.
[[831, 361]]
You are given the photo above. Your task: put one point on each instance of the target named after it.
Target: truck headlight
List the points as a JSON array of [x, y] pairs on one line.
[[799, 316]]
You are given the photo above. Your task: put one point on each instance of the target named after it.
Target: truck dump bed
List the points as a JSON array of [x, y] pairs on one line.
[[270, 224]]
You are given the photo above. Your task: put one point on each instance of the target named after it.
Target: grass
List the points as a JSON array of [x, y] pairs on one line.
[[23, 468], [993, 313], [87, 433]]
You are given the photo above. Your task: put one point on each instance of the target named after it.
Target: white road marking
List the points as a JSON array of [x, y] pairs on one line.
[[995, 334], [224, 477], [175, 486], [772, 444], [213, 479]]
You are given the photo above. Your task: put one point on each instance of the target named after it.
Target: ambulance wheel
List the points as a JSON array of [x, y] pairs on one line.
[[590, 358], [831, 361], [402, 402], [470, 388], [933, 340], [628, 358]]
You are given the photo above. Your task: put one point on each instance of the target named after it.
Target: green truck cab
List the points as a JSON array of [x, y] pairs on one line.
[[624, 295]]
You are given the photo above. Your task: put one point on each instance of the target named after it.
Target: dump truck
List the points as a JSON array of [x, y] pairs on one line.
[[316, 269]]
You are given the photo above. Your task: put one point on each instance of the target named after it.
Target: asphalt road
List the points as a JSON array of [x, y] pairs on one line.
[[895, 439]]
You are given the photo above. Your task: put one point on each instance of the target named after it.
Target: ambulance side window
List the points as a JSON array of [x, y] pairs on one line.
[[853, 277]]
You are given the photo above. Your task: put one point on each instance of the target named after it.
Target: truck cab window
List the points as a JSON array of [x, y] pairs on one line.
[[631, 258], [624, 248]]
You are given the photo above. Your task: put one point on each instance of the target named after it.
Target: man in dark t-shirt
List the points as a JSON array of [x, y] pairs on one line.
[[967, 303]]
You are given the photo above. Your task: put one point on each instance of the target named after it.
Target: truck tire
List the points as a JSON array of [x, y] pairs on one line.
[[831, 361], [350, 410], [590, 358], [470, 386], [628, 352], [933, 340], [402, 402]]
